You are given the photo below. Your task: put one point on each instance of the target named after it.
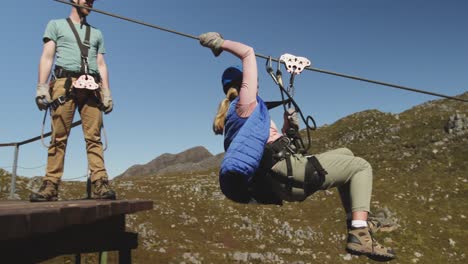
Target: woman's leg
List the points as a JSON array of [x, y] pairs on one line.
[[353, 177]]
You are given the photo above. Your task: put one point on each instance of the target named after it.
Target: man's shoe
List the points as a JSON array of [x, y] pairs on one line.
[[361, 242], [47, 192], [102, 190]]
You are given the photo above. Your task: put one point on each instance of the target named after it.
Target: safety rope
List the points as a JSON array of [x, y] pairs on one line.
[[23, 168], [76, 178], [278, 79], [266, 57], [52, 136]]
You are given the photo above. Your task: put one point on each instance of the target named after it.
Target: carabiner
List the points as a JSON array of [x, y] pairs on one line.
[[279, 74], [269, 69]]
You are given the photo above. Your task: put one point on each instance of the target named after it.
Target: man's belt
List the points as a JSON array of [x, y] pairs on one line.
[[60, 72], [59, 101]]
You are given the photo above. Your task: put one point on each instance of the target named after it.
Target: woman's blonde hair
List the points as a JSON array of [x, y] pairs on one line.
[[218, 124]]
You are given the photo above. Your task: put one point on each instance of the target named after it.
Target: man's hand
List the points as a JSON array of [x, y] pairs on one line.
[[43, 96], [107, 101], [212, 40]]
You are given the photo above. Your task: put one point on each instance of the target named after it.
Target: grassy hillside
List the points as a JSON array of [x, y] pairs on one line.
[[420, 183]]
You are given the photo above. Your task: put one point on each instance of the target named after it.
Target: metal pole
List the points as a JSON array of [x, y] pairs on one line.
[[13, 174]]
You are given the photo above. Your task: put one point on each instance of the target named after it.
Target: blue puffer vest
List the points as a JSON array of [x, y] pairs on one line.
[[244, 143]]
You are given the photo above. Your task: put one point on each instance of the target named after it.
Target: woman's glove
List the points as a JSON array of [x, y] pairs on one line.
[[43, 96], [212, 40], [107, 101]]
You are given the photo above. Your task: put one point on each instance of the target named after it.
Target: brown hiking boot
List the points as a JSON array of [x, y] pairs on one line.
[[47, 192], [361, 242], [102, 190], [375, 225]]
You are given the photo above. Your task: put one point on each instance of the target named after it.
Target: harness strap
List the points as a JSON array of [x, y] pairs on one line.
[[60, 72], [313, 178], [309, 169], [316, 165], [314, 175], [84, 46], [290, 181], [60, 101]]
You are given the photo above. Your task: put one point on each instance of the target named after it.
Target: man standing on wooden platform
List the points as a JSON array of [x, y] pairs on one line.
[[80, 80]]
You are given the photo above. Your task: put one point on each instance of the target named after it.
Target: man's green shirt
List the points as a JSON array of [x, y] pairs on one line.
[[67, 49]]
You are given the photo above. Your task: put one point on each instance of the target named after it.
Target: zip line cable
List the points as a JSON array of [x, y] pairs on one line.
[[267, 57]]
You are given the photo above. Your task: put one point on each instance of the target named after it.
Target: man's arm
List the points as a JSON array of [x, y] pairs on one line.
[[46, 61], [102, 66], [107, 99]]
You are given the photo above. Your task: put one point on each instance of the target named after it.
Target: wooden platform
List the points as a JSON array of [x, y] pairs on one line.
[[33, 232]]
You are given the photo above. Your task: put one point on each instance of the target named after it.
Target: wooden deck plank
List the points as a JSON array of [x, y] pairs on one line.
[[23, 218]]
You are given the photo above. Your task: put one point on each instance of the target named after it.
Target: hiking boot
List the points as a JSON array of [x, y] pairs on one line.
[[102, 190], [361, 242], [47, 192], [376, 225]]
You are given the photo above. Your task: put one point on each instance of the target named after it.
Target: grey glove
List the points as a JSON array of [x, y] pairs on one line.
[[212, 40], [107, 101], [290, 116], [43, 96]]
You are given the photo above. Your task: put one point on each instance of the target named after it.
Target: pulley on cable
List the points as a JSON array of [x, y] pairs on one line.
[[294, 65]]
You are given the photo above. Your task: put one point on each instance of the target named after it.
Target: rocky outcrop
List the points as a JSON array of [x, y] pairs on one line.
[[457, 124]]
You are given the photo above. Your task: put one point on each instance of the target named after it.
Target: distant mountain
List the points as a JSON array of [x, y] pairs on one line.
[[188, 161]]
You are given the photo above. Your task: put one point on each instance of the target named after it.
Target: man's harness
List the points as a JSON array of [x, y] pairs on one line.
[[84, 78]]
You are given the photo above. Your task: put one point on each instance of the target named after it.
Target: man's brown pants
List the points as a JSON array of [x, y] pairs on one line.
[[62, 118]]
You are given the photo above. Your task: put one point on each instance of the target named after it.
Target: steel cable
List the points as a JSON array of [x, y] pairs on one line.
[[266, 57]]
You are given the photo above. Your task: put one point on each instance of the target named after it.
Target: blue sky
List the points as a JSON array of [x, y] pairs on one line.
[[166, 88]]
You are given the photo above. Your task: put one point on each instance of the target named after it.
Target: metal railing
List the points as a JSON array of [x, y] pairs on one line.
[[15, 159]]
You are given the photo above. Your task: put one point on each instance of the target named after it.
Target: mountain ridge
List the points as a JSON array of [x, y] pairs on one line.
[[193, 159]]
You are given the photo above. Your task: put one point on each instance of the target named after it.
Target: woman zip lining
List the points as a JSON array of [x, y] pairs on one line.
[[261, 166]]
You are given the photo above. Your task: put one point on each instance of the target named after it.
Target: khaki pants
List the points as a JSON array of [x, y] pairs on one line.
[[62, 118], [351, 175]]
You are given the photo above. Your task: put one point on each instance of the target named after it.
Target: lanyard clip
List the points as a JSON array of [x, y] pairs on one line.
[[269, 69]]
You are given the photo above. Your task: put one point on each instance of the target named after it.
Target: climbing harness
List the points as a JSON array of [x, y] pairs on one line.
[[85, 81]]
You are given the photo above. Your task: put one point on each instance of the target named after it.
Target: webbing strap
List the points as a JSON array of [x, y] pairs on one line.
[[289, 169], [316, 165], [313, 178], [84, 46], [309, 170]]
